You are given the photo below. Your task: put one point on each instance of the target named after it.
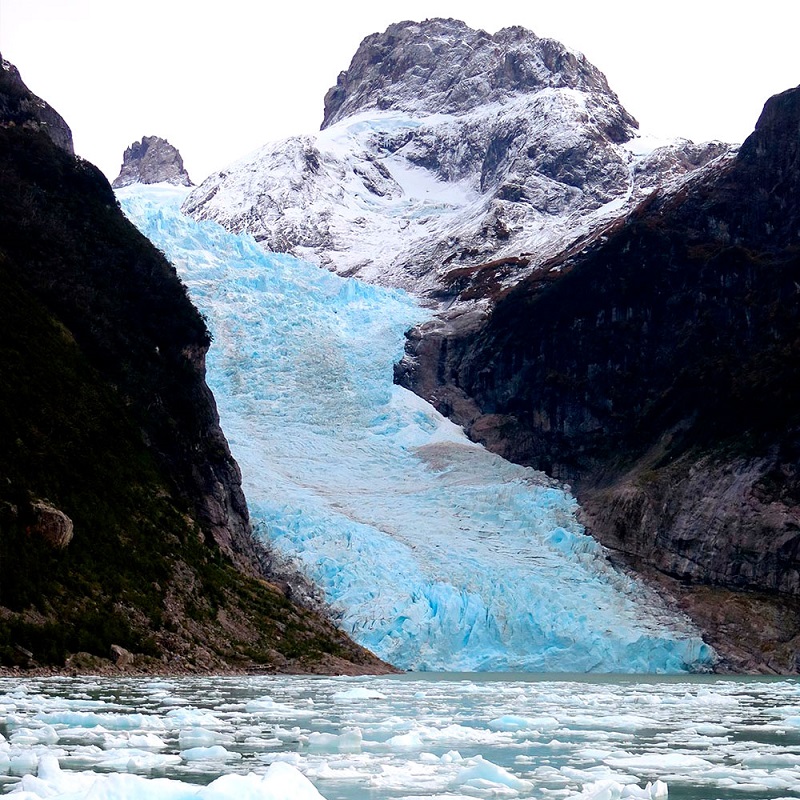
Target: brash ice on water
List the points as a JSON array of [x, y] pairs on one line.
[[431, 551]]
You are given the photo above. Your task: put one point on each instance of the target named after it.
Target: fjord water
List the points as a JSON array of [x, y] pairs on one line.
[[434, 553], [450, 736]]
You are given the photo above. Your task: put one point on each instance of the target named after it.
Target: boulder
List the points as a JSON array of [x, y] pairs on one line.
[[120, 656], [52, 525]]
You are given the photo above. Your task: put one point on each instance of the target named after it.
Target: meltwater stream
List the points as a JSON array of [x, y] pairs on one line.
[[434, 553]]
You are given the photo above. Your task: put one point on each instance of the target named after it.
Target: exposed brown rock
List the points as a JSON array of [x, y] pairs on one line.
[[52, 525], [120, 656]]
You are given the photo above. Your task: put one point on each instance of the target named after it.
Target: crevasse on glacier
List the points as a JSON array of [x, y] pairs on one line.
[[433, 552]]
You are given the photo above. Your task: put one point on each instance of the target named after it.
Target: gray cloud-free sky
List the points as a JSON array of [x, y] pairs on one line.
[[219, 79]]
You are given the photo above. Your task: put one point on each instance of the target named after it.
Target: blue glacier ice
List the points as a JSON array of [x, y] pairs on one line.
[[431, 551]]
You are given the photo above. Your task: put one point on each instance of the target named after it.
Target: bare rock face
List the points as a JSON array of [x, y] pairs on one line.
[[442, 66], [105, 412], [20, 107], [52, 525], [153, 160]]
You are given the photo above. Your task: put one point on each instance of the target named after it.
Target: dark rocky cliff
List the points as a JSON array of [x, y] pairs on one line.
[[656, 366], [122, 520], [19, 107]]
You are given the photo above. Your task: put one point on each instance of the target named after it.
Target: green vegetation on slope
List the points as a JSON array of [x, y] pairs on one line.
[[105, 416]]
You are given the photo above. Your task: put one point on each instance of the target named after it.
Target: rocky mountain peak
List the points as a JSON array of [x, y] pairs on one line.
[[19, 106], [444, 66], [449, 155], [153, 160]]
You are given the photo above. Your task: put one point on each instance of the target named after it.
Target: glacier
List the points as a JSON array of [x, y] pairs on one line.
[[432, 552]]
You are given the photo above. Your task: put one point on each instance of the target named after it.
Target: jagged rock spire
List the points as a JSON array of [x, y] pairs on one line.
[[153, 160]]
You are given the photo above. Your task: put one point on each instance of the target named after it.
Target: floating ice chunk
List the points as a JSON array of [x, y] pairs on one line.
[[761, 760], [659, 762], [463, 735], [710, 729], [404, 741], [512, 723], [347, 742], [143, 741], [48, 768], [134, 760], [147, 741], [192, 718], [91, 719], [24, 763], [611, 722], [612, 790], [296, 759], [483, 774], [198, 737], [592, 754], [279, 782], [288, 734], [47, 734], [266, 706], [214, 753], [171, 700], [358, 693]]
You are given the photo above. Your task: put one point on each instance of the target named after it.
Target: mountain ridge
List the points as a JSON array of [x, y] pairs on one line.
[[443, 66], [151, 160]]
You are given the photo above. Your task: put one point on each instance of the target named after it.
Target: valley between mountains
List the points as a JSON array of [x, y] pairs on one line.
[[479, 236]]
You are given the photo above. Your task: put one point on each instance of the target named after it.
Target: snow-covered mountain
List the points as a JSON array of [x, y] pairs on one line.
[[432, 552], [444, 149]]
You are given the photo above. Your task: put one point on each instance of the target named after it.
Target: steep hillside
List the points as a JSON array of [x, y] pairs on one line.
[[657, 366], [122, 520]]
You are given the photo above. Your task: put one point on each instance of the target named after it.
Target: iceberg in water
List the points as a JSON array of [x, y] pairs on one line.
[[432, 552]]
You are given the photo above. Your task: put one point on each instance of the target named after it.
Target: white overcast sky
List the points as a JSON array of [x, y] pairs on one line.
[[219, 79]]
